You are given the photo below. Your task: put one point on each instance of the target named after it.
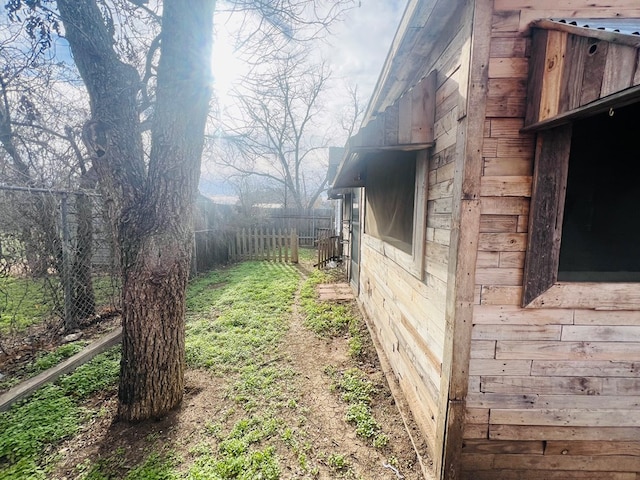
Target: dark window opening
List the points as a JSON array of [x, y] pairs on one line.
[[390, 194], [601, 224]]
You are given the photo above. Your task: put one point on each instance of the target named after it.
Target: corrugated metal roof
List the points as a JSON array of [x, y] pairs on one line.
[[625, 26]]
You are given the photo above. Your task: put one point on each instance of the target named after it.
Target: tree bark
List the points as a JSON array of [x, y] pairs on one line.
[[150, 206]]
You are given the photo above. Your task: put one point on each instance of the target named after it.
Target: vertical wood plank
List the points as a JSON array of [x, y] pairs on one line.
[[536, 71], [571, 90], [547, 209], [553, 69], [463, 252], [294, 246], [423, 109], [593, 71], [285, 241], [619, 69], [404, 119]]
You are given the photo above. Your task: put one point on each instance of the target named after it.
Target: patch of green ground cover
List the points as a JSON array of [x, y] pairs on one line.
[[241, 453], [50, 415], [44, 361], [235, 321], [330, 319], [357, 390], [323, 318], [251, 317], [155, 467], [241, 342], [22, 303], [205, 290]]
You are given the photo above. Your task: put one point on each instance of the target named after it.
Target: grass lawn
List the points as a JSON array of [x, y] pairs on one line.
[[279, 385]]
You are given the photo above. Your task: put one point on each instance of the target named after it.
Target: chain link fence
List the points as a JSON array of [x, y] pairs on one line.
[[57, 260]]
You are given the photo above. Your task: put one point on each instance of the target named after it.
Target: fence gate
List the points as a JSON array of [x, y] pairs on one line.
[[264, 244], [329, 247]]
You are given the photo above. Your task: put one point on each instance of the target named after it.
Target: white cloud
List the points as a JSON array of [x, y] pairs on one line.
[[360, 44]]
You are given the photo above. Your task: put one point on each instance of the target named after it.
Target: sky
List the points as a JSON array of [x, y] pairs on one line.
[[362, 42], [356, 50], [356, 47]]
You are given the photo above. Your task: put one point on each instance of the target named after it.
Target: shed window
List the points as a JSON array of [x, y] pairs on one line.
[[585, 217], [390, 193], [601, 225], [396, 207]]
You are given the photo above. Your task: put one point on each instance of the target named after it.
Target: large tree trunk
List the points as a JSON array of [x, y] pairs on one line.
[[150, 207]]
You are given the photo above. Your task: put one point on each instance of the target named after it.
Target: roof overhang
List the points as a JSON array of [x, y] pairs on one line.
[[406, 125], [581, 67]]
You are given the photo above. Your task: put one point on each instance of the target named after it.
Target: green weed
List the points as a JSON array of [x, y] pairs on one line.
[[237, 458], [50, 359], [250, 319], [50, 415], [357, 390], [22, 303], [323, 318], [337, 461]]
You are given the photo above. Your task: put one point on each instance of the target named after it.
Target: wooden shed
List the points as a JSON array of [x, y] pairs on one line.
[[494, 206]]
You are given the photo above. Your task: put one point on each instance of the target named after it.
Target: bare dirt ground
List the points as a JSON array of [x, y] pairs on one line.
[[323, 424]]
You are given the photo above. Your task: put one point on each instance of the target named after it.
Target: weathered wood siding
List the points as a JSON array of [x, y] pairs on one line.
[[408, 313], [553, 393]]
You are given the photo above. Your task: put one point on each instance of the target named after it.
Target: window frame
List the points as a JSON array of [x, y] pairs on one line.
[[411, 262], [541, 288]]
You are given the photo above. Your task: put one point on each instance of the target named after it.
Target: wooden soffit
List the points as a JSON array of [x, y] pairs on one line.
[[406, 125], [575, 72]]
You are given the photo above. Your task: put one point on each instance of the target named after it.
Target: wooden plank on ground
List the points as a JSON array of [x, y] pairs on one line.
[[28, 387]]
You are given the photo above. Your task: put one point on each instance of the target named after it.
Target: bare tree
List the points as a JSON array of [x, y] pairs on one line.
[[275, 133]]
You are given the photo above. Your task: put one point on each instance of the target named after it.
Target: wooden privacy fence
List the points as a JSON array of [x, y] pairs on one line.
[[329, 247], [265, 244]]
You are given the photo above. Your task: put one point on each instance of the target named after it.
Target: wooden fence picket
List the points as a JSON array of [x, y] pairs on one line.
[[275, 245]]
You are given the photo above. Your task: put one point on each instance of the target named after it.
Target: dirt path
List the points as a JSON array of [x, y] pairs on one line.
[[311, 356]]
